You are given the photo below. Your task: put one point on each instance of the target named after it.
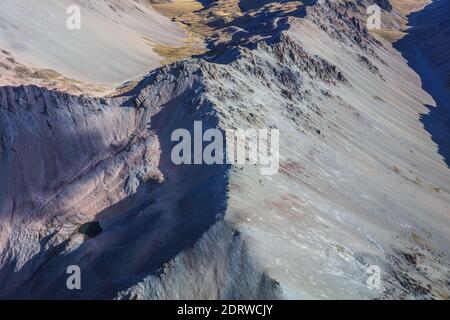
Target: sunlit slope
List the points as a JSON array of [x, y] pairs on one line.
[[114, 43]]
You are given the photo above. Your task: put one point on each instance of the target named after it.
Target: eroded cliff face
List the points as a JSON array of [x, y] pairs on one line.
[[360, 180], [426, 48]]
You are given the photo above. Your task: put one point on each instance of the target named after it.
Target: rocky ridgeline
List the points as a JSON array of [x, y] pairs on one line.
[[69, 160], [344, 21]]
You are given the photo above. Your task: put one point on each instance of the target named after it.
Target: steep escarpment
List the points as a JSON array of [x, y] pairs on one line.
[[82, 45], [360, 182], [426, 48], [70, 160]]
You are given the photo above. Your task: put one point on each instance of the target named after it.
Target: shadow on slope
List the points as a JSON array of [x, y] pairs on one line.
[[140, 233], [426, 48], [150, 227]]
